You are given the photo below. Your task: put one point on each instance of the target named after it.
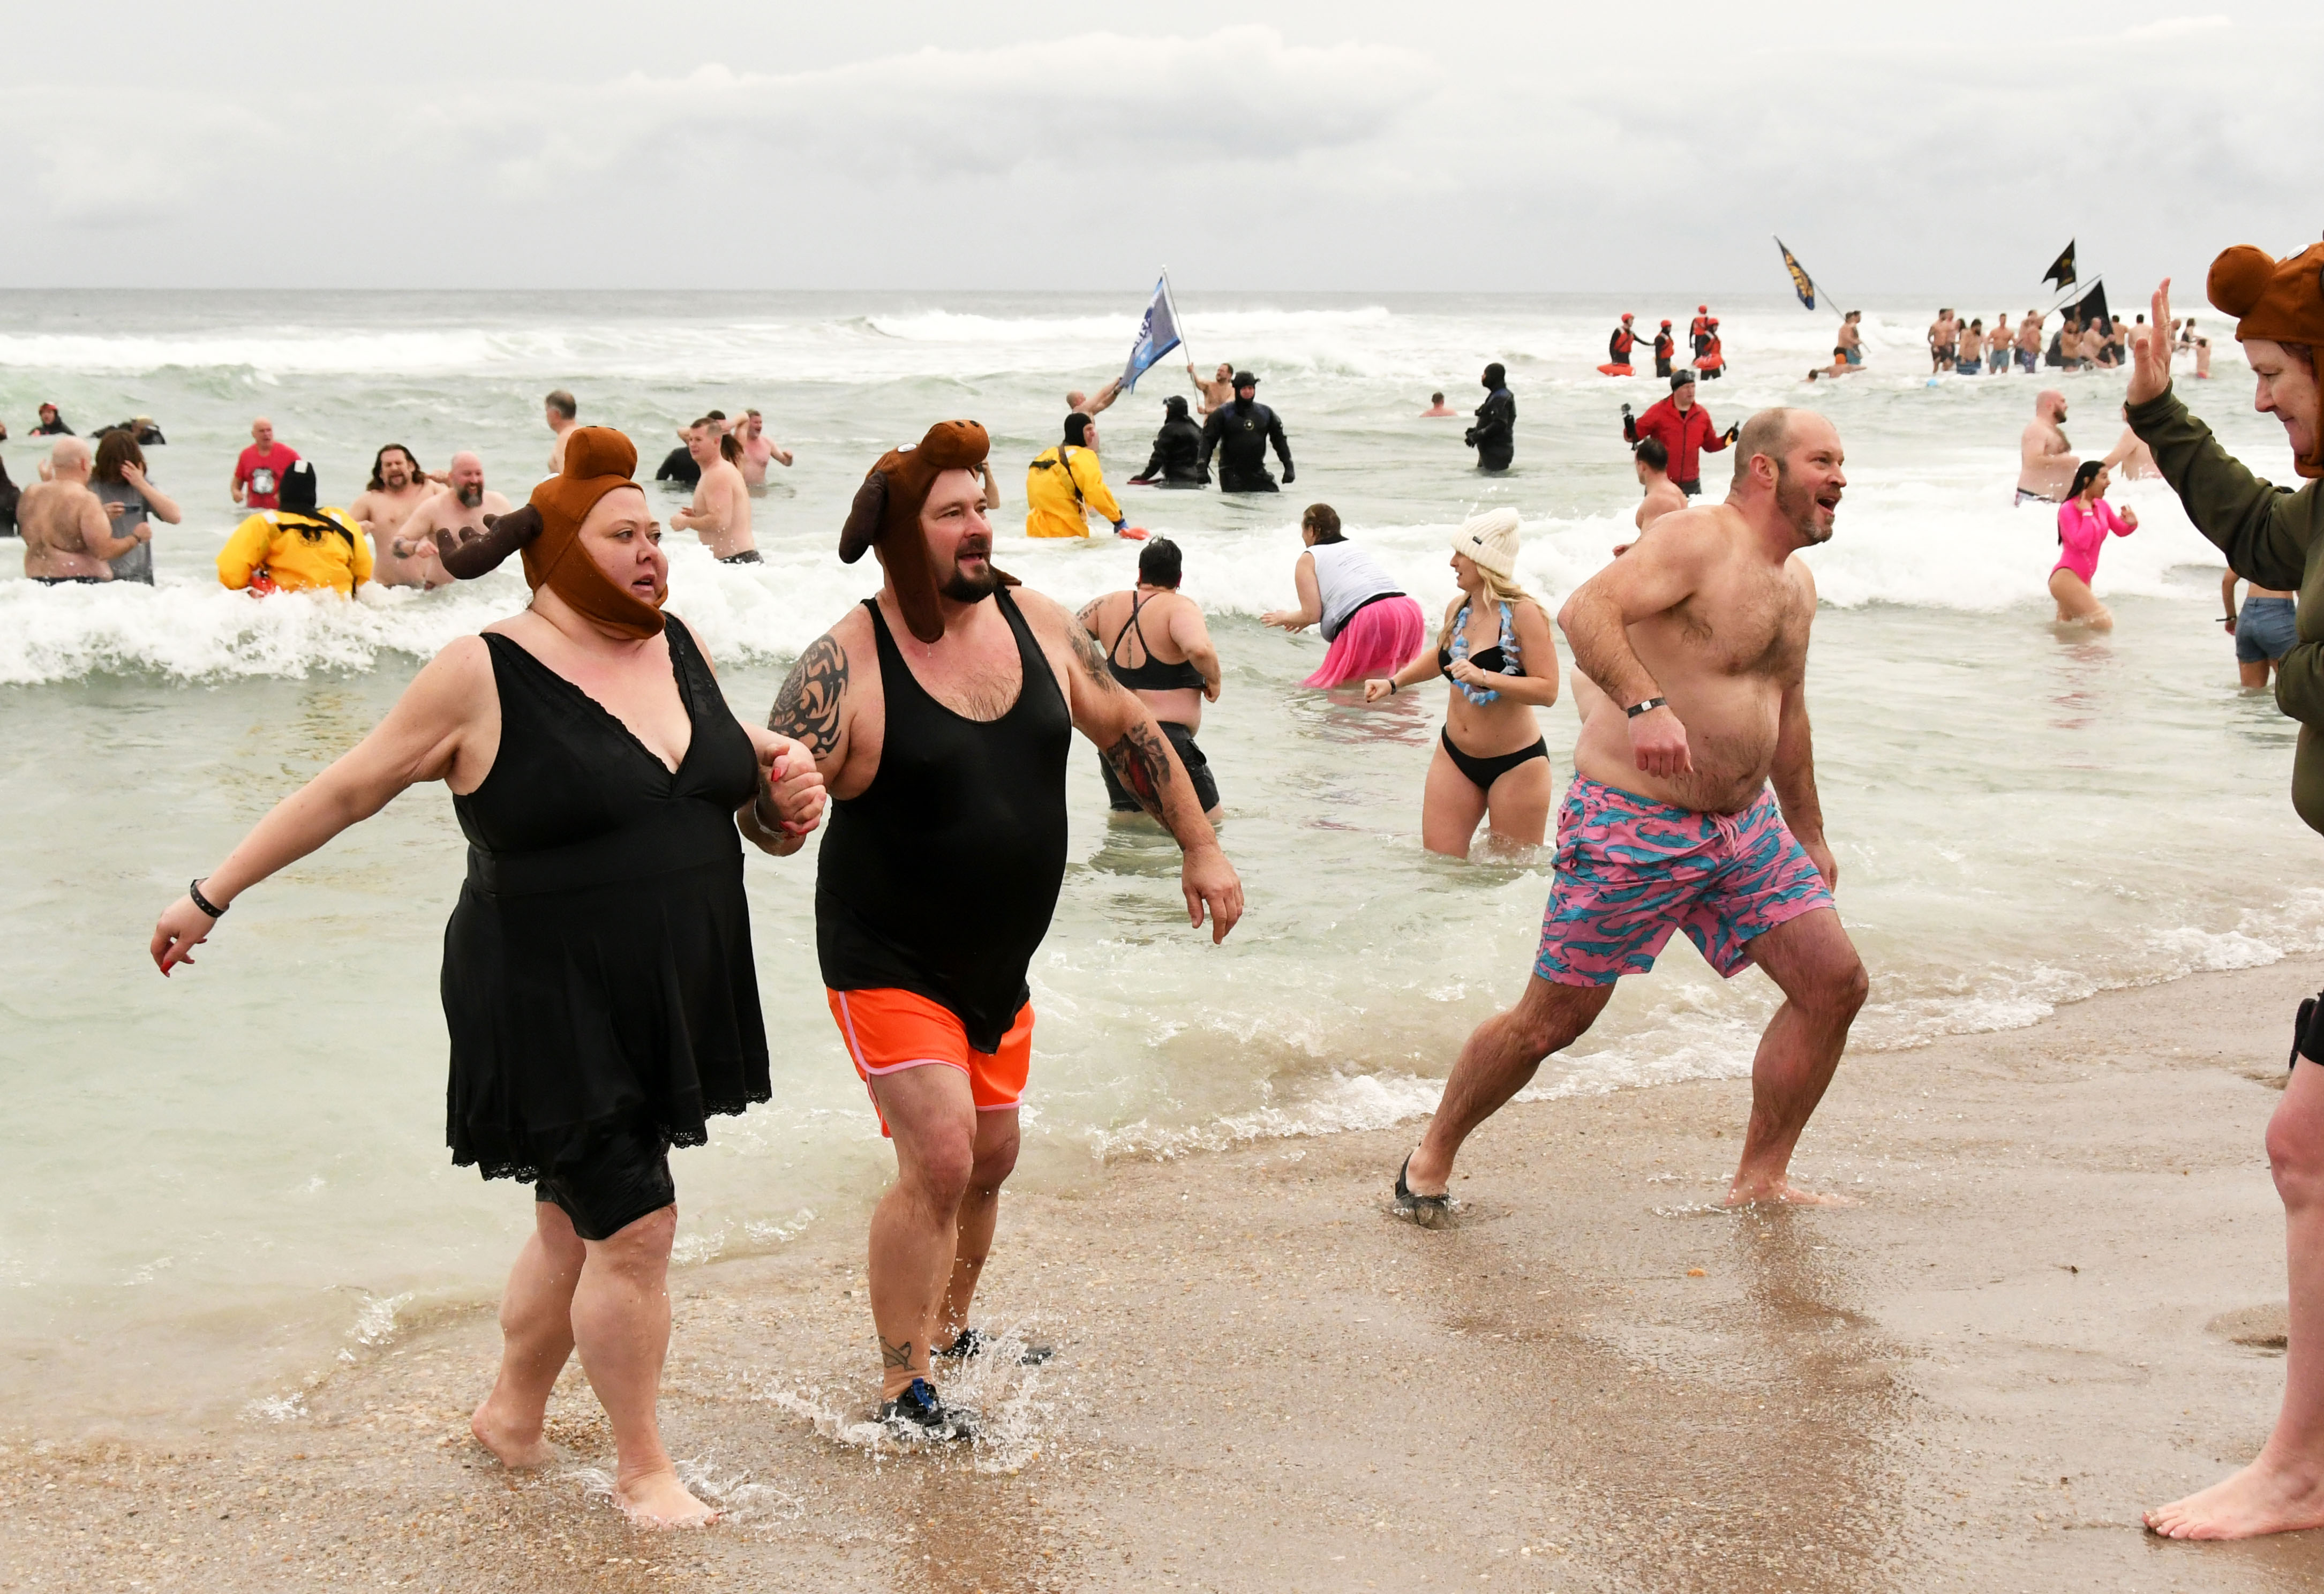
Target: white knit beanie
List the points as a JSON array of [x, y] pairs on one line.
[[1491, 540]]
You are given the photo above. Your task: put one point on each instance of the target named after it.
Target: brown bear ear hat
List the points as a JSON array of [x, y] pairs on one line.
[[2280, 301], [886, 515], [597, 460]]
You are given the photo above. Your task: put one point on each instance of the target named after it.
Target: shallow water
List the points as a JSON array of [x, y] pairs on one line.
[[215, 1185]]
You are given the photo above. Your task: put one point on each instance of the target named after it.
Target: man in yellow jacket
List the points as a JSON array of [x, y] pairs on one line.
[[1064, 484], [298, 545]]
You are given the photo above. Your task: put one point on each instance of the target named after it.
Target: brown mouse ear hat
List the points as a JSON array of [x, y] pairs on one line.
[[597, 460], [886, 515], [2280, 301]]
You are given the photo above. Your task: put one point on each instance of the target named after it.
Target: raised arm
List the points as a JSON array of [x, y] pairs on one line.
[[444, 726], [163, 507], [1142, 758], [1658, 573]]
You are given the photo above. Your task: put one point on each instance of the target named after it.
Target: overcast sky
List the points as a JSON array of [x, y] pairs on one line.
[[1898, 149]]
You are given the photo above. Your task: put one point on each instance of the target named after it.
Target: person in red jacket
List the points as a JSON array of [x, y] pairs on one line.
[[1684, 428]]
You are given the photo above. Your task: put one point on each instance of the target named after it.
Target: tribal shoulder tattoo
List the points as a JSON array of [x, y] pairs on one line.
[[807, 709]]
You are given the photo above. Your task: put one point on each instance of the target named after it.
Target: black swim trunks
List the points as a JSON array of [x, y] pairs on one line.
[[749, 555], [65, 580], [1198, 770], [622, 1175]]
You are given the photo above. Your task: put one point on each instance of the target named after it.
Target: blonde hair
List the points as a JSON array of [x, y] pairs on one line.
[[1499, 588]]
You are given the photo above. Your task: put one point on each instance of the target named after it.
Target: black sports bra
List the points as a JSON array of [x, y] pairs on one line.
[[1153, 675]]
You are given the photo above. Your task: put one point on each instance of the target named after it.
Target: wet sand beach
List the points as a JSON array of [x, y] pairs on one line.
[[2060, 1301]]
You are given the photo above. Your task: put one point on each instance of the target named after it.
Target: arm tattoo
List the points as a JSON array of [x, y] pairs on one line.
[[893, 1355], [1141, 762], [1088, 616], [807, 709], [1091, 657]]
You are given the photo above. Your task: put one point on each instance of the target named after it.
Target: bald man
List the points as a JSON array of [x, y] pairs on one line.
[[2046, 462], [459, 509], [258, 473], [1697, 638], [66, 536]]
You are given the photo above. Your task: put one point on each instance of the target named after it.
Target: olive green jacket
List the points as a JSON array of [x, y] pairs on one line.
[[2273, 536]]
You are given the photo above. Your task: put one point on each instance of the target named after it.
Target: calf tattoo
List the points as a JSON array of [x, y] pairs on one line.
[[894, 1355], [1141, 762], [807, 709]]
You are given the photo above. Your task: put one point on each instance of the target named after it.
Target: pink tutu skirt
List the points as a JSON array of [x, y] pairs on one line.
[[1378, 640]]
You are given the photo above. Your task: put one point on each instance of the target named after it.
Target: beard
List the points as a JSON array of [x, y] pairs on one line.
[[470, 497], [1795, 502], [962, 587]]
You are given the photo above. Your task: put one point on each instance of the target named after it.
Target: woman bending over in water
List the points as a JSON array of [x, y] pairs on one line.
[[1496, 651], [2083, 521]]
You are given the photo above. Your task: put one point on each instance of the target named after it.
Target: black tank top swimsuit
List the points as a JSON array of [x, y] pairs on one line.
[[941, 877], [1153, 675], [598, 982]]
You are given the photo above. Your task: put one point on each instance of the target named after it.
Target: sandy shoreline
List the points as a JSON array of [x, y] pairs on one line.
[[2026, 1333]]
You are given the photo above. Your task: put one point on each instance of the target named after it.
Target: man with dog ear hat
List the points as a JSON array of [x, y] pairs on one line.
[[2274, 537], [940, 711]]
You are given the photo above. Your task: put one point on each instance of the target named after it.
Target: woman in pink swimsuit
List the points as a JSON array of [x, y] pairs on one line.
[[2083, 521]]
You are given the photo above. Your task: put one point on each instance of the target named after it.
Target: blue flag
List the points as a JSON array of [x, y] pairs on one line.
[[1157, 335]]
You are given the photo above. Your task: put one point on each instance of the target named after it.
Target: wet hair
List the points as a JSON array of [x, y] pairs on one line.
[[1324, 521], [1841, 349], [113, 450], [1159, 564], [1077, 427], [1653, 454], [562, 402], [378, 482], [2085, 477], [1769, 432], [1436, 398]]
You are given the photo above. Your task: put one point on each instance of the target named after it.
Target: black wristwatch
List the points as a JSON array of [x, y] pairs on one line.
[[1646, 705]]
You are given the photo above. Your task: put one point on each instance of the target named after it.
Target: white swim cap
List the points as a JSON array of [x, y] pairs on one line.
[[1491, 539]]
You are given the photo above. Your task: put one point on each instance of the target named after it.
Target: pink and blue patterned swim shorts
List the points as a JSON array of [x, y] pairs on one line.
[[1630, 871]]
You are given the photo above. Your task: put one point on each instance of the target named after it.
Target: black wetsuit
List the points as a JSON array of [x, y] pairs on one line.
[[940, 878], [1665, 347], [9, 494], [598, 981], [1177, 457], [1239, 435], [1154, 676], [677, 465], [1494, 436]]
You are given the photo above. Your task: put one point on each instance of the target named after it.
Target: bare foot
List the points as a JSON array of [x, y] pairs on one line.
[[658, 1499], [509, 1440], [1782, 1190], [2264, 1498]]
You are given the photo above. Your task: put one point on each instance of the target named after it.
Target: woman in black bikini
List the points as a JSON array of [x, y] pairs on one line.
[[1496, 649], [598, 982]]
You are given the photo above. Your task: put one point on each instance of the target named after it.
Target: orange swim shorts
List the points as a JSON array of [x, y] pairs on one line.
[[888, 1031]]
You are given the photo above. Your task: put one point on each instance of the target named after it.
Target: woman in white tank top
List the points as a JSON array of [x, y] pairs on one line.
[[1373, 627]]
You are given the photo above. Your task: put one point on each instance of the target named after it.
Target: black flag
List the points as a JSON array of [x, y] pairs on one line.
[[2091, 308], [1801, 284], [2061, 270]]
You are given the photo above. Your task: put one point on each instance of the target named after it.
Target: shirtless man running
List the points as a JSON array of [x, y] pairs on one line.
[[941, 713], [458, 511], [2046, 462], [758, 449], [397, 487], [1699, 638], [721, 512], [68, 536], [1162, 651]]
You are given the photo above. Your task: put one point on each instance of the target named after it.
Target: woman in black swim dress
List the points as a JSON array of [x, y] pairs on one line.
[[1496, 649], [598, 981]]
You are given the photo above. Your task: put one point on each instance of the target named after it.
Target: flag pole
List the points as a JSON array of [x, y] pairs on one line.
[[1175, 321]]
